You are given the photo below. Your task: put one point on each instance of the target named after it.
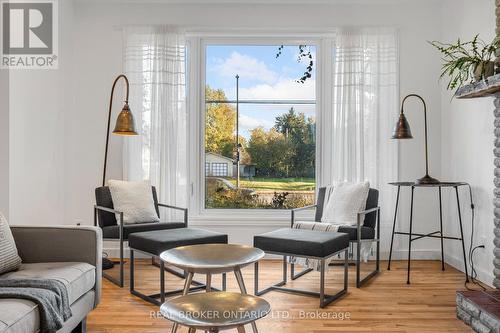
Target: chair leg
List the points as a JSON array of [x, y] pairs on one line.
[[162, 281], [121, 264], [284, 269], [360, 281], [241, 329], [358, 263], [132, 282], [346, 270], [322, 284]]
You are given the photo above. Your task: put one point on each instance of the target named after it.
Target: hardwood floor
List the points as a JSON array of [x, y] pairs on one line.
[[385, 304]]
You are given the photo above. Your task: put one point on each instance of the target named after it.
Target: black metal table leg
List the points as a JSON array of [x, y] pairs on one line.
[[441, 227], [378, 242], [393, 228], [131, 283], [162, 281], [284, 269], [436, 234], [409, 235], [462, 234]]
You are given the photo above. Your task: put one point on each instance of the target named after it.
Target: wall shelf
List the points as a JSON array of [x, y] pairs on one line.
[[485, 88]]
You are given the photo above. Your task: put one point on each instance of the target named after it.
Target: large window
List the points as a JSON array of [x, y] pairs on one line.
[[260, 126]]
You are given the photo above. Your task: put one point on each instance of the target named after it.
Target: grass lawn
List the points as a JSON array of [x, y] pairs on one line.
[[278, 184]]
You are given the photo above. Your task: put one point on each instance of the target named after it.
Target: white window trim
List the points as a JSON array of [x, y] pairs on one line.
[[196, 107]]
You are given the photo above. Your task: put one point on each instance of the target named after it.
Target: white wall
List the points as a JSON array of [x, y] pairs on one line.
[[57, 118], [4, 142], [39, 101], [98, 59], [467, 139]]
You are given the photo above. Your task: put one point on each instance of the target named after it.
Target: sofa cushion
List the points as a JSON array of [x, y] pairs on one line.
[[155, 242], [302, 242], [18, 315], [344, 201], [135, 200], [113, 231], [78, 277], [9, 258]]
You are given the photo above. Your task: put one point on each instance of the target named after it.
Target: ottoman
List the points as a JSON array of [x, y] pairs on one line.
[[153, 243], [317, 245]]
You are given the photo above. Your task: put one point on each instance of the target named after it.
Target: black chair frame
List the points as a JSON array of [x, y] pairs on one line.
[[119, 281], [357, 242]]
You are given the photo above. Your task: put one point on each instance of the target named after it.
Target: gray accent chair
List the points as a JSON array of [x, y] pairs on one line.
[[71, 255], [105, 218], [366, 230]]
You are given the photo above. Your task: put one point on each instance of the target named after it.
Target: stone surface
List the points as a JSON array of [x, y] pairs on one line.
[[479, 327], [496, 152], [471, 308], [490, 321], [480, 310], [483, 88], [496, 272], [464, 316]]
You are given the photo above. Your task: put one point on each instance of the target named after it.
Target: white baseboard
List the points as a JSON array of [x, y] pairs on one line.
[[485, 276]]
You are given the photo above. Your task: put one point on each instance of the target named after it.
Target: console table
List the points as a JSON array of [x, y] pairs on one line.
[[436, 234]]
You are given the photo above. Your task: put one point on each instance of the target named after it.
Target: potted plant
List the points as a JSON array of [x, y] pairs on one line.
[[465, 62]]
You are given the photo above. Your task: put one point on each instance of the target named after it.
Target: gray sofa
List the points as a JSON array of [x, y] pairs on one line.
[[71, 255]]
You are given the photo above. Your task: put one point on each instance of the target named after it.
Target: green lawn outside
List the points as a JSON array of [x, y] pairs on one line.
[[278, 184]]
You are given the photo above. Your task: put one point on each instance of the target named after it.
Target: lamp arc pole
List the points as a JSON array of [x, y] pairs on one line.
[[402, 131], [124, 123]]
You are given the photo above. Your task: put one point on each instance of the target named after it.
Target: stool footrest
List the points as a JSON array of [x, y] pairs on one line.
[[324, 299]]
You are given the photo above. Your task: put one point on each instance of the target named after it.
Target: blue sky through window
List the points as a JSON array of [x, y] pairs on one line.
[[262, 77]]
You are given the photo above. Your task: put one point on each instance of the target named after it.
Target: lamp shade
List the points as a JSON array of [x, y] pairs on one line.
[[125, 122], [402, 128]]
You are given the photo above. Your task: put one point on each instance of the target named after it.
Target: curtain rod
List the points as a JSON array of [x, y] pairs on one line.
[[190, 29]]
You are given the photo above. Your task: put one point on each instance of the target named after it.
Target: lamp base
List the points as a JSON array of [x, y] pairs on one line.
[[427, 180]]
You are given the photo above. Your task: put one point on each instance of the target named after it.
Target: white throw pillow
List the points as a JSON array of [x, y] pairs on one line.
[[9, 258], [344, 202], [135, 200]]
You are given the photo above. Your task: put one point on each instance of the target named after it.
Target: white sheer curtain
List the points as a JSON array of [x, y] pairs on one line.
[[154, 62], [358, 123]]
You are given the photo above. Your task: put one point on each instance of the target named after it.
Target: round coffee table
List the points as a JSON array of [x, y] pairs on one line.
[[211, 259], [215, 311]]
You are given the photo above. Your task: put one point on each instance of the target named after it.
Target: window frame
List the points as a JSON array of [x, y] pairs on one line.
[[197, 43]]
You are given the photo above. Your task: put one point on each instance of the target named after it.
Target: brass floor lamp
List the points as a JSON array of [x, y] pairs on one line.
[[124, 126]]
